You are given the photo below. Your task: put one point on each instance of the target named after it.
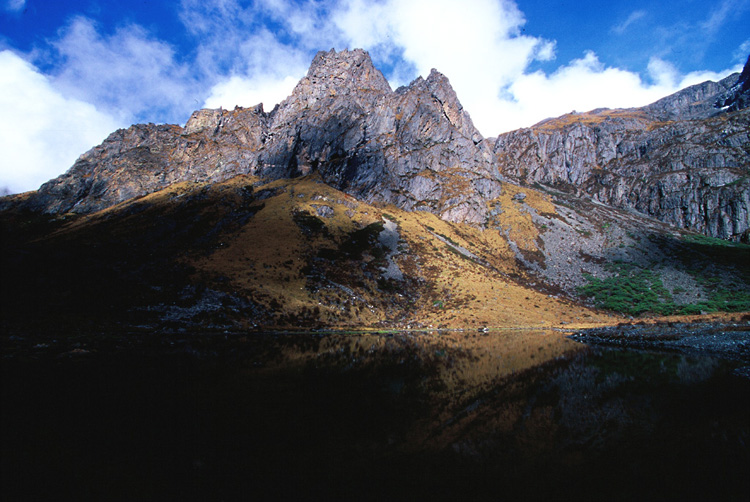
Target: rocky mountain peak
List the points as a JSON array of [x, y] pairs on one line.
[[738, 97], [212, 120], [744, 79], [706, 99], [695, 102], [440, 88], [418, 149], [333, 73]]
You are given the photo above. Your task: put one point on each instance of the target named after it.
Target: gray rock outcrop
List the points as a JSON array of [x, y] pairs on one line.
[[415, 147], [684, 160]]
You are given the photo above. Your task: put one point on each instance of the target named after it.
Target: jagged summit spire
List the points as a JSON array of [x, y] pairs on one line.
[[744, 79], [344, 72], [740, 97], [417, 147]]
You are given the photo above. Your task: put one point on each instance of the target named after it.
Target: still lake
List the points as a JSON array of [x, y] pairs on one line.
[[511, 414]]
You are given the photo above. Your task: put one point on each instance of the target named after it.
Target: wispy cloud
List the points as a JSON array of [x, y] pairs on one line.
[[632, 18], [740, 55], [129, 74], [15, 5], [241, 61], [256, 81], [721, 13], [672, 38]]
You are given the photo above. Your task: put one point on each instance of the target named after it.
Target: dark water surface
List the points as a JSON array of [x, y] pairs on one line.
[[403, 416]]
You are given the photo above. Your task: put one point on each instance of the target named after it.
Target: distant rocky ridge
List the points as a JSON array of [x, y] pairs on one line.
[[693, 173], [737, 97], [684, 159]]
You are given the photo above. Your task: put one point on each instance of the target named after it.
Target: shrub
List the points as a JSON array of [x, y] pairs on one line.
[[636, 291], [631, 290]]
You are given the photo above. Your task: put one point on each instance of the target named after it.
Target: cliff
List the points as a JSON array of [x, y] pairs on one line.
[[351, 204], [684, 160], [415, 147]]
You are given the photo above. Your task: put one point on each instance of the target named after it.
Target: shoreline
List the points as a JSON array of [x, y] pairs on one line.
[[724, 336]]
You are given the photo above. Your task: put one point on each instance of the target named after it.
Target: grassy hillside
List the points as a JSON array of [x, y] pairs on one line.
[[290, 254], [298, 254]]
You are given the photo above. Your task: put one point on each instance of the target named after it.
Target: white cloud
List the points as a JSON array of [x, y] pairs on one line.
[[720, 14], [463, 40], [15, 5], [243, 61], [585, 84], [632, 18], [129, 74], [243, 91], [740, 55], [245, 53], [479, 46], [42, 132]]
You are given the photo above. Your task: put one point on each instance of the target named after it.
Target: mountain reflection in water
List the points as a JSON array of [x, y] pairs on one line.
[[449, 415]]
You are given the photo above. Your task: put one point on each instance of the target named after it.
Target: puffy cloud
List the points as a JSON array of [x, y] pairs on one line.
[[128, 73], [467, 41], [42, 132], [243, 53], [255, 81], [477, 44], [585, 84], [241, 61], [480, 46], [242, 91]]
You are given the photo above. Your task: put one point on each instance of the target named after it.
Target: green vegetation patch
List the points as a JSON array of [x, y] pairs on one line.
[[631, 290], [721, 297], [635, 291], [705, 240]]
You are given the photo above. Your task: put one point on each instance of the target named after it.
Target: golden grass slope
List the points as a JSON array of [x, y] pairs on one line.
[[301, 255], [294, 257]]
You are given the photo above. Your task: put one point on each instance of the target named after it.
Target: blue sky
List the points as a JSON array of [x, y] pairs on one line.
[[71, 72]]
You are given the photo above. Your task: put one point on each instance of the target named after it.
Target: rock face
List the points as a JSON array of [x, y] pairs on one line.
[[738, 97], [415, 147], [684, 160]]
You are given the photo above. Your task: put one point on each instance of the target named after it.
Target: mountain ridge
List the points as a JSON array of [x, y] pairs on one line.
[[378, 137], [354, 205], [343, 120], [683, 159]]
